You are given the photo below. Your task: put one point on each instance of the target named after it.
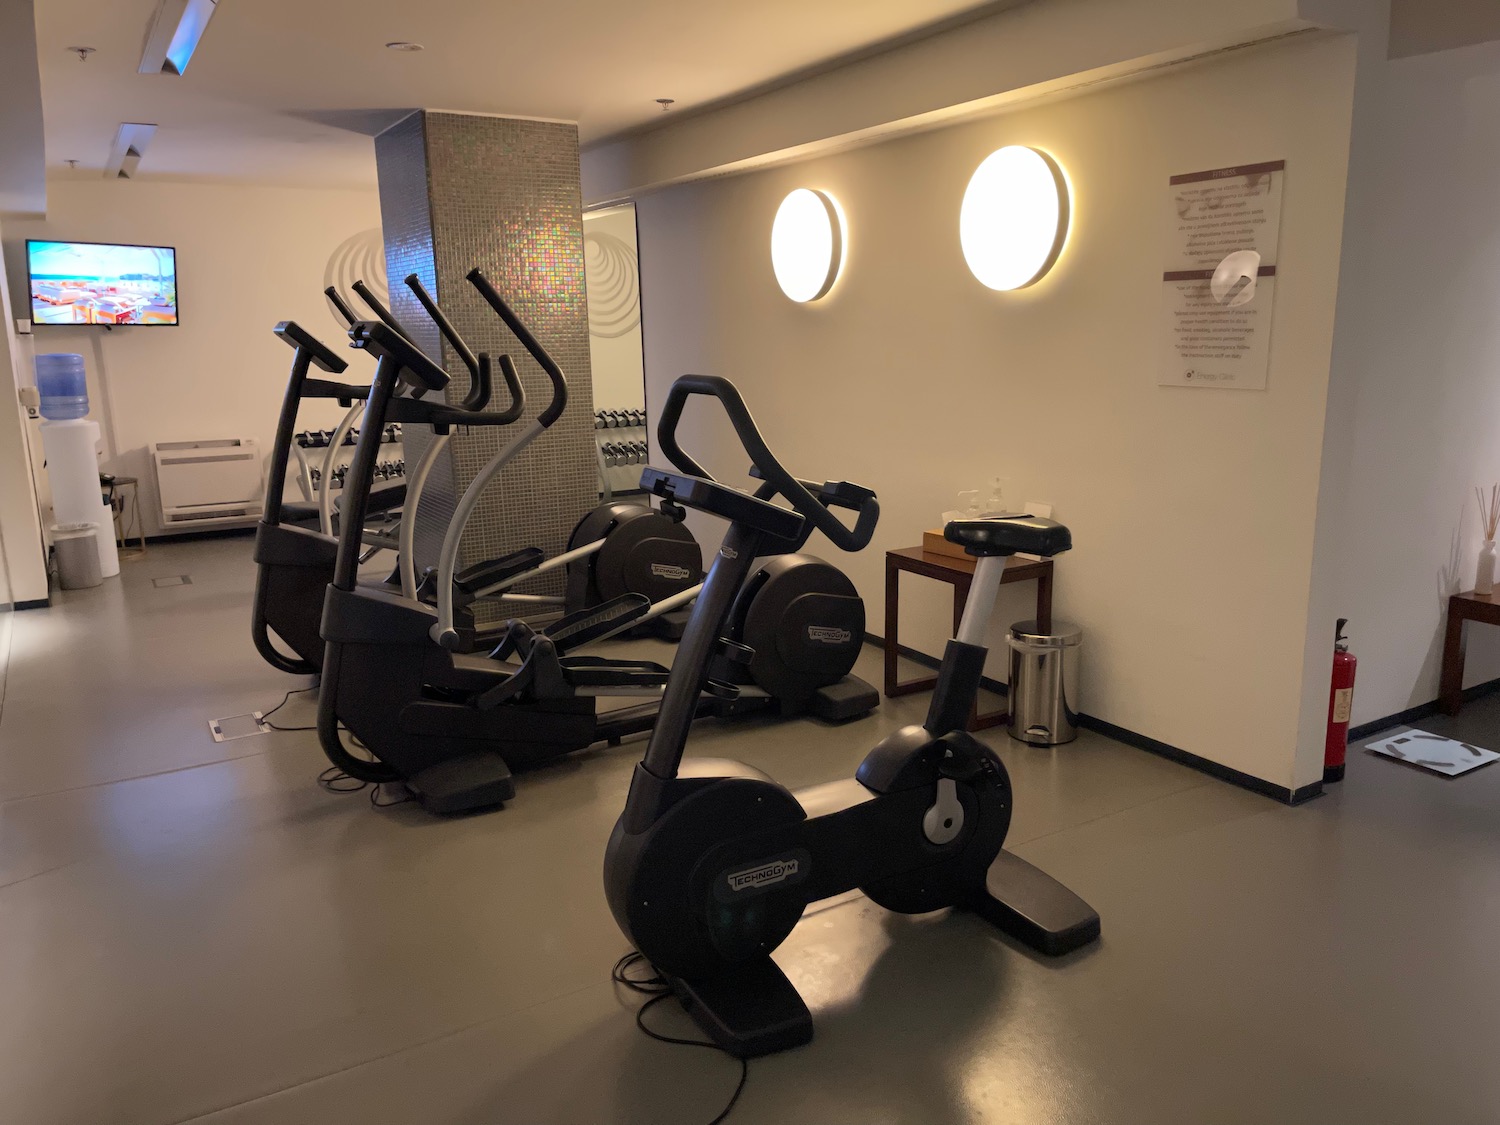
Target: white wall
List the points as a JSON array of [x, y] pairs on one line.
[[1193, 511], [20, 527], [1419, 344], [1419, 26], [247, 257]]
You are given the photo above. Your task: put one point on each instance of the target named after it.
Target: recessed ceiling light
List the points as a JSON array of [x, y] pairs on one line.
[[127, 151], [403, 45], [176, 30]]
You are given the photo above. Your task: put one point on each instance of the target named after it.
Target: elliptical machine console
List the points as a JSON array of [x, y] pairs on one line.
[[712, 863]]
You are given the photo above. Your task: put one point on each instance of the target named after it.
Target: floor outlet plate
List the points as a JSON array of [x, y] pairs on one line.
[[238, 726]]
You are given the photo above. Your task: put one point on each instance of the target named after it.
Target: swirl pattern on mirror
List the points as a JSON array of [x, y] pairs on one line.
[[360, 257], [614, 285]]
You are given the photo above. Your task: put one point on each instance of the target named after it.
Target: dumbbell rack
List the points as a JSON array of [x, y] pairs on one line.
[[310, 470], [622, 444]]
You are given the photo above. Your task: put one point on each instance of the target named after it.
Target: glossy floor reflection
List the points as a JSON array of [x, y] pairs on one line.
[[193, 931]]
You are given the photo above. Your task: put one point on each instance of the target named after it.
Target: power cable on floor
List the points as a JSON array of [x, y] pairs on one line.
[[285, 699], [657, 989], [333, 779]]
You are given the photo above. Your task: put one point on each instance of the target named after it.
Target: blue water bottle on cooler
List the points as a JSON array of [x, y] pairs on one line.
[[63, 385]]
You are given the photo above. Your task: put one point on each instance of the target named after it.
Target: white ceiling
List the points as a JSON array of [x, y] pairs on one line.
[[289, 91]]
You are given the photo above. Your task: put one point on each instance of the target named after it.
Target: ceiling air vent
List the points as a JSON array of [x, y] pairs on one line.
[[125, 155]]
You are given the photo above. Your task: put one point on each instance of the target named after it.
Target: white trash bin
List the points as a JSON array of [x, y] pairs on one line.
[[77, 549]]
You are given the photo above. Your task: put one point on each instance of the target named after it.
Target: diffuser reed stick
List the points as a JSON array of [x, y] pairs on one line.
[[1489, 513]]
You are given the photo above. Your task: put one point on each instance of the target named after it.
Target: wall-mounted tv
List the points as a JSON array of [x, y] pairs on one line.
[[101, 283]]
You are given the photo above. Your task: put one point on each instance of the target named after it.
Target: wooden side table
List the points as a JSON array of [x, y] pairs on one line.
[[959, 572], [1463, 607]]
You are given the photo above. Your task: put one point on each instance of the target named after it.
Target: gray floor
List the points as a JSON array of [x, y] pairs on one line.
[[192, 931]]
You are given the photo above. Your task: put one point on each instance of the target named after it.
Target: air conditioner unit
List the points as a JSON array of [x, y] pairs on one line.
[[208, 483]]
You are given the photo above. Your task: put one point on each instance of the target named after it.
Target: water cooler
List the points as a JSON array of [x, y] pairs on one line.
[[71, 443]]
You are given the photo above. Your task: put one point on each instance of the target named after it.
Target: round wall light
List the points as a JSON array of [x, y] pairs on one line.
[[1014, 219], [807, 244]]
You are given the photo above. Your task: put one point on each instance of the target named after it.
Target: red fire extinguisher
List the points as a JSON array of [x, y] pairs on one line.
[[1340, 700]]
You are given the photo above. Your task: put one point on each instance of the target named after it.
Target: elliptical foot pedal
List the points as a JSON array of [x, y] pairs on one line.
[[1034, 908], [751, 1012], [476, 578], [850, 698], [464, 784], [589, 625], [669, 626]]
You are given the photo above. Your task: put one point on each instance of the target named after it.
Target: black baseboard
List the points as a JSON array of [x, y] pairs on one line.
[[933, 662], [1203, 765], [206, 533], [1142, 742], [35, 603], [1417, 713]]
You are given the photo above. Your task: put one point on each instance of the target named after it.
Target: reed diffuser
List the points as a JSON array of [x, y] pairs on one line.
[[1489, 516]]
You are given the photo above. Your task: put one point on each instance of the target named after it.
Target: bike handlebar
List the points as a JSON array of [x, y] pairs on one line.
[[797, 492]]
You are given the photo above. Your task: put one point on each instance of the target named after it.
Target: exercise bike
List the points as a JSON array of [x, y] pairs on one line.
[[712, 863]]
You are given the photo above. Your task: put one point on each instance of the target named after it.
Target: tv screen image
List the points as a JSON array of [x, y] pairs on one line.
[[102, 283]]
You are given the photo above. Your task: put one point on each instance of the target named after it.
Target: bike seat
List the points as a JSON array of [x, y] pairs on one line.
[[1008, 535]]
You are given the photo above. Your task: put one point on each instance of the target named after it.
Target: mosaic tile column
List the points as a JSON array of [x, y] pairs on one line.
[[459, 191]]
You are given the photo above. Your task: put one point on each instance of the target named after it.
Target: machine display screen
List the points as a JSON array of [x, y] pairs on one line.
[[101, 283]]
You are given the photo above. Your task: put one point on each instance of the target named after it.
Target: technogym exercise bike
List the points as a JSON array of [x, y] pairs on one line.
[[712, 863]]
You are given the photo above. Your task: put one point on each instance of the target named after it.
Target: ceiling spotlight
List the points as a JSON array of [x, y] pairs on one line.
[[403, 45], [83, 53], [176, 30]]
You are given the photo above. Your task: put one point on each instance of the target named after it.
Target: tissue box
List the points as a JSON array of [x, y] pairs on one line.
[[933, 543]]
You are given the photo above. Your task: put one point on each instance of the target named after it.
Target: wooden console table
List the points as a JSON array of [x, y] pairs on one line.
[[1463, 607], [959, 572]]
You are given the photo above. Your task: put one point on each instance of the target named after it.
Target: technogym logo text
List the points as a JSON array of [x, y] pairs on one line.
[[777, 871], [670, 572], [829, 634]]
